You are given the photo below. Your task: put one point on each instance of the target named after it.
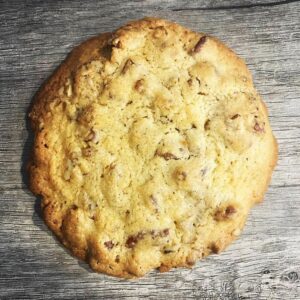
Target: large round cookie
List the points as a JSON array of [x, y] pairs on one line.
[[151, 146]]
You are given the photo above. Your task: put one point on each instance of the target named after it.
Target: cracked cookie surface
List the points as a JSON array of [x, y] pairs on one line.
[[151, 146]]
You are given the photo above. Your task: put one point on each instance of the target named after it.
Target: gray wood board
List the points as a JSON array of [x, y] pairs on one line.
[[264, 263]]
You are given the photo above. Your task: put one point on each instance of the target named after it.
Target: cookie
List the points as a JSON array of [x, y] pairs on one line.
[[151, 147]]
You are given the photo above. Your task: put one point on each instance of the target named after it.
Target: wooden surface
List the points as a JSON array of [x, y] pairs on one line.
[[264, 263]]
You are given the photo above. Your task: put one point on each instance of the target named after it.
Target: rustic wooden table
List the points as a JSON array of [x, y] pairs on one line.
[[264, 263]]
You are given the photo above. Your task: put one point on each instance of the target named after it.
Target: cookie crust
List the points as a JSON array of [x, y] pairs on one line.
[[151, 147]]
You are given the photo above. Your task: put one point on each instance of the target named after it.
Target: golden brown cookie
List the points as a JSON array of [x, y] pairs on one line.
[[151, 146]]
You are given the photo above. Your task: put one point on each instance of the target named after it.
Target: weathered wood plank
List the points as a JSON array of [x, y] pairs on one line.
[[264, 263]]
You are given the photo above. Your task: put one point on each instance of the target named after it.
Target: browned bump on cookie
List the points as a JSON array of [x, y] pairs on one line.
[[154, 203], [132, 240], [110, 167], [225, 214], [166, 155], [93, 136], [168, 251], [190, 262], [203, 172], [106, 51], [159, 30], [200, 44], [160, 233], [180, 175], [116, 43], [163, 268], [87, 151], [207, 125], [153, 200], [190, 82], [109, 244], [139, 85], [92, 218], [235, 116], [165, 232], [214, 248], [259, 127]]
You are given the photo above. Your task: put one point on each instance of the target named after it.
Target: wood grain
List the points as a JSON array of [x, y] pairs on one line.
[[264, 263]]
